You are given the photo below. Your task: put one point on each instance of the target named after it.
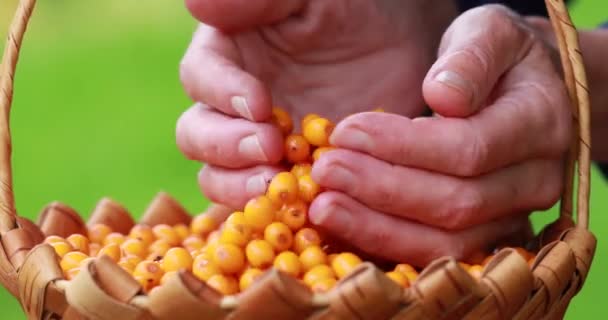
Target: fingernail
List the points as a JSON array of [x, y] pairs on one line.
[[341, 178], [251, 148], [256, 185], [241, 106], [333, 217], [455, 81], [354, 139]]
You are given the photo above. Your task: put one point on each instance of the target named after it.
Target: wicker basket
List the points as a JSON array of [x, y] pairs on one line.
[[508, 289]]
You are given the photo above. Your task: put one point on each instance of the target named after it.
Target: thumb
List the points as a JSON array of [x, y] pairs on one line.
[[234, 15], [478, 48]]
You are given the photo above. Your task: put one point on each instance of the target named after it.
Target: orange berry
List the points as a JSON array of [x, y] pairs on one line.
[[167, 233], [53, 239], [281, 119], [213, 237], [94, 249], [308, 117], [225, 285], [279, 236], [294, 215], [297, 149], [114, 238], [312, 257], [71, 274], [134, 260], [317, 273], [72, 260], [259, 212], [476, 271], [182, 231], [305, 238], [142, 232], [288, 262], [193, 242], [283, 188], [85, 261], [202, 225], [98, 232], [308, 189], [317, 131], [229, 258], [176, 259], [112, 251], [235, 234], [134, 247], [487, 260], [316, 155], [331, 257], [148, 273], [167, 276], [204, 269], [159, 247], [411, 276], [399, 278], [61, 247], [79, 243], [249, 277], [127, 266], [324, 285], [404, 267], [301, 169], [260, 253], [345, 263]]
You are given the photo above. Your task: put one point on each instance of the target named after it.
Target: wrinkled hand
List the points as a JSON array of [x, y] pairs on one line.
[[414, 190], [334, 58]]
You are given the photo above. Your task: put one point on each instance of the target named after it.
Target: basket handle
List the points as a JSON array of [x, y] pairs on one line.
[[572, 64]]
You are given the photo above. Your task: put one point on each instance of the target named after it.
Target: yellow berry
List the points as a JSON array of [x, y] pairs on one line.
[[148, 273], [316, 155], [331, 257], [283, 188], [114, 238], [411, 276], [308, 117], [288, 262], [317, 131], [61, 248], [85, 261], [259, 212], [476, 271], [281, 119], [134, 247], [213, 237], [143, 233], [279, 236], [79, 243], [235, 234], [159, 247], [98, 232], [53, 239], [301, 169], [94, 249], [260, 254], [305, 238], [193, 242], [294, 215], [225, 285], [127, 266], [72, 273], [249, 277], [182, 231], [134, 260], [317, 273], [167, 233], [399, 278], [404, 267], [297, 149], [345, 263], [202, 225], [229, 258], [176, 259], [111, 250], [323, 285], [204, 269], [167, 276], [308, 189], [72, 260], [311, 257]]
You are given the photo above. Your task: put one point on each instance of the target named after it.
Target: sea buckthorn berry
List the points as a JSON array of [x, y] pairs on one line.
[[294, 215], [411, 276], [134, 260], [182, 231], [297, 149], [94, 249], [317, 273], [167, 233], [61, 248], [98, 232], [260, 254], [331, 257], [249, 277], [307, 118], [237, 217], [142, 232], [259, 212], [345, 263], [288, 262], [283, 188], [160, 246], [150, 272], [134, 247], [114, 238], [112, 251], [229, 258], [71, 274], [308, 189], [317, 131], [399, 278], [204, 269], [404, 267], [487, 260], [193, 242], [213, 237], [301, 169], [281, 119], [305, 238], [72, 260], [167, 276], [323, 285], [176, 259], [235, 234], [127, 266], [279, 236], [226, 285], [202, 225], [53, 239], [476, 271], [79, 243], [312, 257], [316, 155], [85, 261]]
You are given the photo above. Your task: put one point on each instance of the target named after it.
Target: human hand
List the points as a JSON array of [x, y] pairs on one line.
[[334, 58], [455, 184]]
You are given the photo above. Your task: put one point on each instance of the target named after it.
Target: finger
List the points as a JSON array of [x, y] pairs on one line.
[[233, 188], [398, 239], [233, 15], [211, 73], [208, 136], [475, 52], [439, 200]]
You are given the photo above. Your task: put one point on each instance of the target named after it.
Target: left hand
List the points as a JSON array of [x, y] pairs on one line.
[[417, 189]]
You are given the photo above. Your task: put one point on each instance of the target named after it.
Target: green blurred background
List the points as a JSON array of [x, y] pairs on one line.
[[97, 98]]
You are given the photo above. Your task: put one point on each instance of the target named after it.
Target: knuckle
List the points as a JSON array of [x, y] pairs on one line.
[[463, 204], [471, 161], [550, 188]]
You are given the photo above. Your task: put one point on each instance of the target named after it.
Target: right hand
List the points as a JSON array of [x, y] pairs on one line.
[[334, 58]]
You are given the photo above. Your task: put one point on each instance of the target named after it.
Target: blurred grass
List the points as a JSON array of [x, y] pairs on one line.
[[97, 97]]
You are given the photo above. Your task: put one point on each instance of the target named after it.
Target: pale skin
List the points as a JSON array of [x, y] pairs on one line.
[[452, 184]]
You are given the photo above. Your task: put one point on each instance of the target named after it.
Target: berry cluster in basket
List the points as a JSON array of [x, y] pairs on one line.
[[272, 231]]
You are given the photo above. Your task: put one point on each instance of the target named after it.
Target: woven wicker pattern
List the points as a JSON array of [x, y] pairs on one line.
[[508, 288]]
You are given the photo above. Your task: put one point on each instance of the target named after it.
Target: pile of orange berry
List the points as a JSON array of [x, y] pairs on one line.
[[271, 231]]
